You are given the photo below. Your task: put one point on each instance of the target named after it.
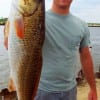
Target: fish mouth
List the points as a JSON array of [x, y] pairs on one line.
[[28, 7]]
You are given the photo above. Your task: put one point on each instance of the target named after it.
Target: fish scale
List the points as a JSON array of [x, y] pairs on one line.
[[25, 54]]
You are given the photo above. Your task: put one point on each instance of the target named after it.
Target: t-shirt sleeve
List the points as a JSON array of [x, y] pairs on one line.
[[85, 42]]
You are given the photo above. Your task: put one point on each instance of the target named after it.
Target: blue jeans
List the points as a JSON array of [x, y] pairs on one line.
[[66, 95]]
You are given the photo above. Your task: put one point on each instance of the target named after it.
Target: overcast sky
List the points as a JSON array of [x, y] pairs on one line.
[[88, 10]]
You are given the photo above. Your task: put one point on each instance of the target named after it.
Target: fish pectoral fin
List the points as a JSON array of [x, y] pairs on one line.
[[19, 27], [11, 86]]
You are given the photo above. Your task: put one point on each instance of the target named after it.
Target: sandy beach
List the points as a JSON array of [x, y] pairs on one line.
[[83, 89]]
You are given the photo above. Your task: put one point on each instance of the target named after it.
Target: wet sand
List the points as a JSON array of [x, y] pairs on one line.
[[83, 89]]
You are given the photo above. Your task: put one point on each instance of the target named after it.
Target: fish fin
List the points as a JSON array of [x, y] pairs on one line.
[[11, 86], [19, 27]]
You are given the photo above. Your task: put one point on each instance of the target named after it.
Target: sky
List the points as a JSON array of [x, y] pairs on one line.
[[87, 10]]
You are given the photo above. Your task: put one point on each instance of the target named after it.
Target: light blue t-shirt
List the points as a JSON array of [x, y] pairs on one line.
[[65, 34]]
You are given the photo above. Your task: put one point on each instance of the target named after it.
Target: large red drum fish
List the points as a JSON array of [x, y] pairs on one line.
[[25, 41]]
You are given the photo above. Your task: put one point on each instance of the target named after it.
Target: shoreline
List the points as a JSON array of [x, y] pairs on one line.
[[2, 24], [88, 25], [93, 26], [83, 90]]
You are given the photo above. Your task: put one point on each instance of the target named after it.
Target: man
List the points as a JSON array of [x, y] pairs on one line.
[[65, 34]]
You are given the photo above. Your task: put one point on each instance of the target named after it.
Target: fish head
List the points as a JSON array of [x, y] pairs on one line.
[[28, 7]]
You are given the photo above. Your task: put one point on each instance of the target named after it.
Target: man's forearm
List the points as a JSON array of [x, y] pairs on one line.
[[88, 69]]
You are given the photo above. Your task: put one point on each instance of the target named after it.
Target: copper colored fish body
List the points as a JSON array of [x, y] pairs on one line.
[[25, 43]]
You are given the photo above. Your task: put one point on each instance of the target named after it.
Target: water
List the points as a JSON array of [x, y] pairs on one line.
[[3, 51], [95, 43], [4, 65], [95, 50]]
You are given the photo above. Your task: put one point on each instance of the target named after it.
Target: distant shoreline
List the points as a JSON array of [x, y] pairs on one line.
[[3, 21], [93, 24], [2, 24], [89, 25]]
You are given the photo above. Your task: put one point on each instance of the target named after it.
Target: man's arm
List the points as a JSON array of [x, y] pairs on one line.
[[87, 65], [6, 33]]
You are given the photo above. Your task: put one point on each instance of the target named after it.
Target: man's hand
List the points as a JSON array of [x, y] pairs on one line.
[[6, 43], [6, 33], [92, 95]]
